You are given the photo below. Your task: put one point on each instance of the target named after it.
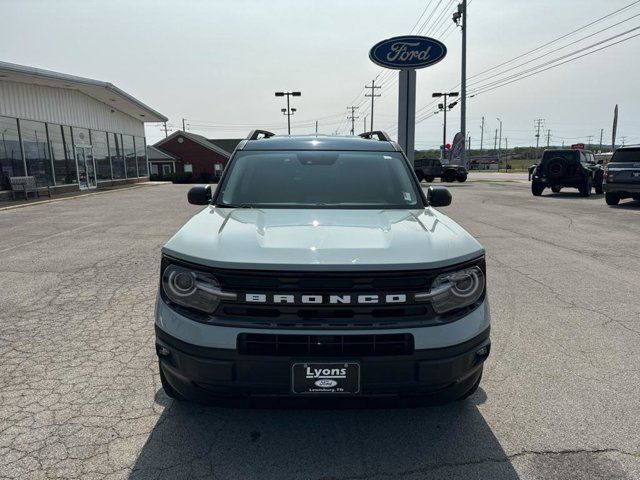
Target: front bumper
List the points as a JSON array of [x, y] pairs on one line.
[[197, 372]]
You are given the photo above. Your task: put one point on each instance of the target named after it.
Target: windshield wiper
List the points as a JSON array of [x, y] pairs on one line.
[[231, 205]]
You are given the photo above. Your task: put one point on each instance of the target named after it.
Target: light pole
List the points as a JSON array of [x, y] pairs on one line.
[[500, 147], [460, 18], [288, 111], [444, 107]]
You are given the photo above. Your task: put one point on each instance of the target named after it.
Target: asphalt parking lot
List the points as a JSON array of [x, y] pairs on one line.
[[80, 396]]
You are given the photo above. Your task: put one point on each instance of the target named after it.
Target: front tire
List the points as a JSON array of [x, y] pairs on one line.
[[599, 187], [585, 189], [537, 189], [449, 177], [429, 178], [612, 198], [556, 189], [461, 178], [166, 386]]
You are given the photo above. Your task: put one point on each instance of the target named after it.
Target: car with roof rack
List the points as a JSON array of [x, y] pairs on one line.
[[319, 267], [622, 175]]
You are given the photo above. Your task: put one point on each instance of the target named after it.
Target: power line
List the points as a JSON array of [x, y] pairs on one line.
[[560, 48], [557, 39], [483, 89]]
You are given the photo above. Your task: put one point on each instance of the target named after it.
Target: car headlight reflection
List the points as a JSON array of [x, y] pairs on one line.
[[455, 290], [192, 288]]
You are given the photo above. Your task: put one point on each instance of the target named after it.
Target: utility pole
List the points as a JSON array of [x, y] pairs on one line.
[[353, 119], [460, 18], [601, 134], [166, 130], [184, 127], [316, 127], [481, 135], [538, 125], [443, 107], [623, 139], [495, 142], [373, 95], [500, 146], [589, 137], [548, 137], [288, 111], [364, 124]]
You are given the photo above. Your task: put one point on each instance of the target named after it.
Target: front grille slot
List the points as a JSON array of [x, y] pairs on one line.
[[325, 345]]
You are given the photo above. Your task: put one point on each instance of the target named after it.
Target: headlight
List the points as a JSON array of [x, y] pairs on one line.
[[454, 290], [193, 289]]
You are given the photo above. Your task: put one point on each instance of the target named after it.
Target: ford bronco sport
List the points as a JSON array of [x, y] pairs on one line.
[[567, 168], [302, 278]]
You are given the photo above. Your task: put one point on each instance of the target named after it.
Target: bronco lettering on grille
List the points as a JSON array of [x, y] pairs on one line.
[[326, 299]]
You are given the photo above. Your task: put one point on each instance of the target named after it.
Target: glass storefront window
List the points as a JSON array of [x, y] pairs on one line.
[[130, 156], [117, 155], [64, 163], [36, 151], [141, 157], [101, 155], [11, 164]]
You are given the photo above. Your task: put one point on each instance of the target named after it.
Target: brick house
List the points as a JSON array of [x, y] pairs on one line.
[[203, 158]]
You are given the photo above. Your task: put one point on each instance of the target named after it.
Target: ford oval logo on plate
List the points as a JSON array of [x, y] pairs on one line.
[[408, 52], [326, 383]]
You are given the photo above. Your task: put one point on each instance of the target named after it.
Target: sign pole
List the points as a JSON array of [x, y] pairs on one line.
[[407, 112]]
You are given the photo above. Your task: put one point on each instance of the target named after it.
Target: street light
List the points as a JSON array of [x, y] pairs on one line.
[[500, 147], [288, 111], [443, 107]]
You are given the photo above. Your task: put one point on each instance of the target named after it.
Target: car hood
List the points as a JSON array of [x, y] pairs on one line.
[[314, 239]]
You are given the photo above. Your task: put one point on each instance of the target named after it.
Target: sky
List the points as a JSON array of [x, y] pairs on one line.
[[218, 63]]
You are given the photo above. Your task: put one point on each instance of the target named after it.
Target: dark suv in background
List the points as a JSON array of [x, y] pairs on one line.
[[622, 175], [431, 168], [567, 168]]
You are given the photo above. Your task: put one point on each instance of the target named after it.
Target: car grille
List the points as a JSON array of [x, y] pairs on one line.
[[325, 316], [325, 345]]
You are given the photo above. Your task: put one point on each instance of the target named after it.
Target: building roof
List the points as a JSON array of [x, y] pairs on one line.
[[104, 92], [227, 144], [157, 155], [320, 142], [199, 139]]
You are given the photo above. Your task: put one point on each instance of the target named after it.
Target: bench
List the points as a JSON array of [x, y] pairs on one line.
[[26, 185]]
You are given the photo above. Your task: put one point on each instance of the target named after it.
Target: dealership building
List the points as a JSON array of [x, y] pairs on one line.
[[69, 132]]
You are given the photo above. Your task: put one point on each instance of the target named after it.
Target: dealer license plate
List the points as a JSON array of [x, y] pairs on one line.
[[325, 378]]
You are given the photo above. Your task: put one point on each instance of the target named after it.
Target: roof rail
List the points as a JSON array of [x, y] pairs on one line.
[[255, 134], [382, 136]]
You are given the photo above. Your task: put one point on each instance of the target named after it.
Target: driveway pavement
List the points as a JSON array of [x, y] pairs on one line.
[[80, 396]]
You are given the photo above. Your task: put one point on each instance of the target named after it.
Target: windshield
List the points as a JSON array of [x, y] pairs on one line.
[[628, 155], [319, 179]]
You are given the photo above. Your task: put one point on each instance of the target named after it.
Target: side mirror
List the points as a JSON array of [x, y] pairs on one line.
[[438, 196], [199, 195]]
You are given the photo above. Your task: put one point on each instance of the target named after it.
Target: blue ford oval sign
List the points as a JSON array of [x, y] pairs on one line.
[[408, 52]]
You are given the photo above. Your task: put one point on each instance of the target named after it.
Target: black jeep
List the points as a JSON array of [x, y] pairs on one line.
[[431, 168], [567, 168]]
